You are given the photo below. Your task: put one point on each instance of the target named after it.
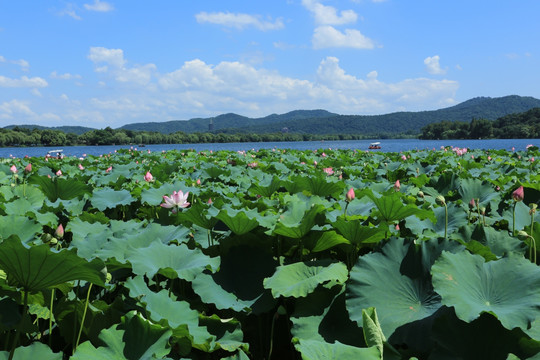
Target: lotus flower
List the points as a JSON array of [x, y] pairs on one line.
[[350, 195], [397, 185], [28, 168], [176, 201], [518, 194], [59, 173], [108, 169], [59, 231], [328, 171], [13, 169], [81, 167], [148, 177]]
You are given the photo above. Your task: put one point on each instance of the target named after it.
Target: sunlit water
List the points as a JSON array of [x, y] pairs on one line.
[[391, 145]]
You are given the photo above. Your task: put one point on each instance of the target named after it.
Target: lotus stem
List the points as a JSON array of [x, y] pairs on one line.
[[272, 335], [50, 317], [445, 220], [514, 219], [84, 316], [20, 327]]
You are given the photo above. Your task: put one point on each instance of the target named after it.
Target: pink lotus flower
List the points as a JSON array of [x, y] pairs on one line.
[[148, 177], [59, 173], [397, 185], [518, 194], [403, 157], [59, 231], [198, 181], [528, 146], [328, 171], [252, 165], [350, 195], [81, 167], [176, 201], [13, 169], [28, 168], [108, 169]]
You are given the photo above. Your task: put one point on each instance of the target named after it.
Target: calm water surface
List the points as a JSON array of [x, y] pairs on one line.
[[392, 145]]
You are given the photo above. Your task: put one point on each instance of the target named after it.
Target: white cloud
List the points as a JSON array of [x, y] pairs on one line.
[[114, 57], [328, 15], [70, 11], [433, 66], [100, 6], [15, 107], [239, 21], [23, 81], [2, 59], [65, 76], [327, 37], [115, 65]]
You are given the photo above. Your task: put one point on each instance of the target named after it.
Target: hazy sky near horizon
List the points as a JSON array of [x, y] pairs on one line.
[[108, 63]]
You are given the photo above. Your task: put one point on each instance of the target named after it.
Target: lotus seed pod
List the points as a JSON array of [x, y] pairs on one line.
[[441, 200], [421, 194]]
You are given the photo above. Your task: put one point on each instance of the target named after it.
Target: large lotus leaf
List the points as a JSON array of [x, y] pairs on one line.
[[240, 355], [215, 333], [21, 226], [38, 267], [300, 279], [443, 184], [320, 185], [499, 243], [212, 293], [239, 221], [318, 350], [323, 240], [60, 188], [356, 233], [30, 198], [322, 316], [36, 350], [456, 218], [506, 288], [161, 306], [135, 338], [477, 189], [266, 186], [171, 261], [107, 198], [395, 283], [523, 218], [298, 220], [391, 208], [198, 214]]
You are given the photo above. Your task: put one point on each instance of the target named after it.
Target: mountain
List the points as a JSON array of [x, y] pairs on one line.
[[67, 129], [324, 122]]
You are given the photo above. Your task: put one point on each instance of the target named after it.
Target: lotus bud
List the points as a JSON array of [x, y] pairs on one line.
[[350, 195], [148, 177], [53, 241], [28, 168], [59, 231], [46, 238], [472, 204], [522, 234], [518, 194], [482, 210], [397, 185], [421, 194], [13, 169], [441, 200]]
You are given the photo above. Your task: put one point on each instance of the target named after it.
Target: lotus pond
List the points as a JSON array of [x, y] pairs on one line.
[[269, 254]]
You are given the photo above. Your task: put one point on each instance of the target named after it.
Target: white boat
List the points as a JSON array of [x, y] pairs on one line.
[[375, 145]]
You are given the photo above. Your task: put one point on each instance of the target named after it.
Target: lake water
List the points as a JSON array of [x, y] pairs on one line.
[[391, 145]]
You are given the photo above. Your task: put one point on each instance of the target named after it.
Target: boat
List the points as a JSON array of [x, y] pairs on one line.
[[375, 145], [58, 153]]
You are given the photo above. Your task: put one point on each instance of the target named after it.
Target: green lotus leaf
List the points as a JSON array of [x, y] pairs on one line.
[[60, 188], [171, 261], [266, 186], [391, 208], [240, 355], [319, 350], [356, 233], [38, 267], [36, 350], [298, 220], [523, 218], [395, 283], [319, 241], [506, 288], [135, 338], [107, 198], [316, 185], [198, 214], [300, 279], [161, 307], [477, 189], [215, 333], [239, 221], [456, 218], [212, 293], [500, 243], [26, 229]]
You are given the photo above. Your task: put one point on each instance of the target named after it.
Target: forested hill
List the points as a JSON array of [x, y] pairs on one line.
[[324, 122]]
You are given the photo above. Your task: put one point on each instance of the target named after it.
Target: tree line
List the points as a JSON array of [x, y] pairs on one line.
[[524, 125], [19, 136]]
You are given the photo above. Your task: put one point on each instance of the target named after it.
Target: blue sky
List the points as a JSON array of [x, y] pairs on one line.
[[108, 63]]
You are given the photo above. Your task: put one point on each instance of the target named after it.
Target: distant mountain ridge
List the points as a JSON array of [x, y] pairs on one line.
[[325, 122]]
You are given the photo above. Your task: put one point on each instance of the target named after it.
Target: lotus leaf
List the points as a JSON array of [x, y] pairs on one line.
[[107, 198], [506, 288], [318, 350], [36, 350]]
